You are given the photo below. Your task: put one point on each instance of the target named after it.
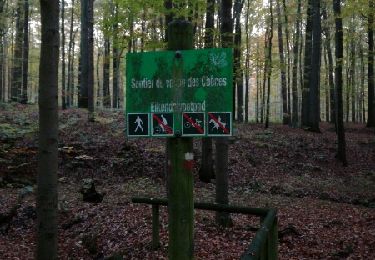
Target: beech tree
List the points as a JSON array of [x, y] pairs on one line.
[[370, 65], [48, 132], [221, 156], [206, 171], [341, 150]]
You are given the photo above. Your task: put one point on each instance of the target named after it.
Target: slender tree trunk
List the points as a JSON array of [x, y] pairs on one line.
[[314, 93], [284, 90], [106, 60], [269, 67], [238, 73], [331, 83], [115, 53], [99, 93], [46, 201], [258, 85], [263, 105], [73, 88], [370, 67], [307, 66], [341, 150], [247, 62], [63, 85], [362, 93], [84, 77], [352, 74], [90, 75], [70, 58], [206, 172], [17, 54], [286, 24], [295, 67], [326, 86], [2, 53], [168, 5], [25, 56], [223, 218]]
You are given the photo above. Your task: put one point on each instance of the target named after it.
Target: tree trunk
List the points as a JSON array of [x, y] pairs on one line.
[[284, 90], [286, 24], [310, 94], [106, 60], [314, 93], [263, 105], [330, 67], [341, 151], [352, 73], [115, 53], [90, 74], [168, 5], [237, 60], [362, 93], [269, 67], [295, 67], [84, 76], [63, 85], [46, 201], [69, 99], [2, 53], [370, 67], [247, 62], [221, 158], [326, 85], [206, 172], [25, 56], [17, 55], [307, 66]]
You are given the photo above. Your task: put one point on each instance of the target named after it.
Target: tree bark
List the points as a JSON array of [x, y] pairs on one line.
[[17, 55], [63, 85], [341, 150], [284, 90], [25, 55], [307, 66], [46, 200], [221, 158], [115, 62], [84, 76], [206, 171], [370, 67], [69, 98], [295, 67], [90, 74], [238, 73], [314, 93], [247, 62], [269, 67], [330, 67], [106, 60], [2, 52]]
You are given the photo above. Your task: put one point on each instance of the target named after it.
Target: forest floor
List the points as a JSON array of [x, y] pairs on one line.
[[325, 210]]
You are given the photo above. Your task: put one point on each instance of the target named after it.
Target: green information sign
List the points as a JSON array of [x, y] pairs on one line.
[[183, 93]]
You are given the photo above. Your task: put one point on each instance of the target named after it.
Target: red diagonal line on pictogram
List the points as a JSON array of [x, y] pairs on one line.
[[196, 126], [220, 124], [167, 128]]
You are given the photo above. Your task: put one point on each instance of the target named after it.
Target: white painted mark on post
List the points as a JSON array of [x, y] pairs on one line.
[[189, 156]]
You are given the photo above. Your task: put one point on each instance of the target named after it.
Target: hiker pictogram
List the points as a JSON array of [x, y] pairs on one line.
[[162, 124], [219, 123], [193, 124], [138, 124]]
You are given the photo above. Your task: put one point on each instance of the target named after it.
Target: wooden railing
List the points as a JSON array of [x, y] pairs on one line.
[[264, 244]]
